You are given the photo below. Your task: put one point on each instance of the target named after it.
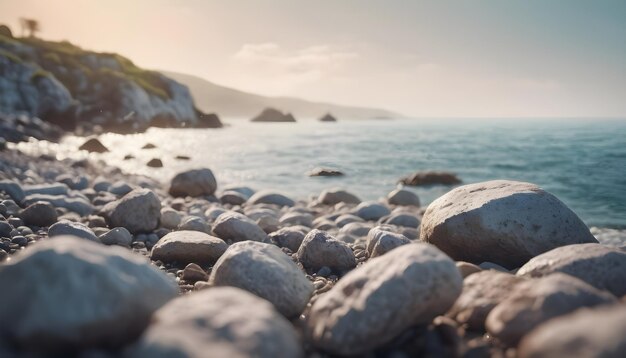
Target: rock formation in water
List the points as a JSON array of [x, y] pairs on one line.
[[328, 118], [273, 115]]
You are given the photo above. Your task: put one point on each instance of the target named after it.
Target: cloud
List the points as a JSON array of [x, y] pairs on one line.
[[292, 67]]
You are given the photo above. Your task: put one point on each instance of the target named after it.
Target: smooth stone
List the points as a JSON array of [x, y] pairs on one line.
[[270, 197], [335, 195], [289, 237], [597, 332], [155, 163], [5, 229], [79, 182], [232, 197], [194, 223], [482, 291], [79, 294], [218, 322], [266, 271], [78, 205], [189, 247], [117, 236], [467, 268], [601, 266], [64, 228], [93, 145], [380, 241], [379, 300], [295, 218], [39, 214], [371, 211], [539, 300], [430, 177], [500, 221], [11, 207], [120, 188], [346, 219], [356, 229], [47, 189], [170, 218], [403, 197], [402, 219], [492, 266], [237, 227], [195, 182], [138, 211], [243, 190], [319, 249], [13, 189], [193, 273], [268, 224]]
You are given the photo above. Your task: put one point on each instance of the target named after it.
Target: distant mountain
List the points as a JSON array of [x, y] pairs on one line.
[[228, 102]]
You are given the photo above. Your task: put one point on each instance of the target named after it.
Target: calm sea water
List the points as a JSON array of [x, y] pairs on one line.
[[583, 162]]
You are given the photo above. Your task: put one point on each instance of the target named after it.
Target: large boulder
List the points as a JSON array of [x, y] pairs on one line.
[[376, 302], [319, 249], [425, 178], [235, 227], [218, 322], [536, 301], [266, 271], [600, 266], [195, 182], [500, 221], [597, 332], [78, 294], [138, 211], [336, 195], [189, 246], [482, 291]]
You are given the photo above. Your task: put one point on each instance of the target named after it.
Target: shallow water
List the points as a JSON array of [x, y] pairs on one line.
[[583, 162]]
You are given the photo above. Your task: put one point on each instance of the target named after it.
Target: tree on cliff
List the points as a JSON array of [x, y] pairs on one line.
[[30, 25]]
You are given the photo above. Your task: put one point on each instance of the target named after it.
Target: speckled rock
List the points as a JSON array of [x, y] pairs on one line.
[[266, 271], [223, 322], [482, 291], [536, 301], [597, 332], [374, 303], [319, 249], [195, 182], [138, 211], [504, 222], [600, 266], [237, 227], [189, 246], [78, 294]]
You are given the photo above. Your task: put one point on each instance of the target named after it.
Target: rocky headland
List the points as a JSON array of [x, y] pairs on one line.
[[97, 262]]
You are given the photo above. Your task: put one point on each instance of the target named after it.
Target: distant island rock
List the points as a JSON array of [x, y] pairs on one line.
[[423, 178], [79, 89], [273, 115], [325, 172], [328, 118]]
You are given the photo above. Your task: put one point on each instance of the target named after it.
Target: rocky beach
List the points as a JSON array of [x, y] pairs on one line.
[[96, 262]]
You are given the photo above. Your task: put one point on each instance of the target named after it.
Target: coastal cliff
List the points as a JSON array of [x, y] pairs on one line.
[[80, 89]]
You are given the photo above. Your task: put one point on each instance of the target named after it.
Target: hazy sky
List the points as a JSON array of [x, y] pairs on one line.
[[422, 58]]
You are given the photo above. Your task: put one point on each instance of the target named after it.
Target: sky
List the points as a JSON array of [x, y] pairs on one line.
[[439, 58]]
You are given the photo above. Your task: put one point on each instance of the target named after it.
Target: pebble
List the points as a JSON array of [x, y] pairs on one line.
[[189, 247], [39, 214], [64, 227], [117, 236], [236, 227]]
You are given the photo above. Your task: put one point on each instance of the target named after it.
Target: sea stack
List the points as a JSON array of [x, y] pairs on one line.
[[328, 118], [273, 115]]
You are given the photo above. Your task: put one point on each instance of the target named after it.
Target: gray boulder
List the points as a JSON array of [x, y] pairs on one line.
[[289, 237], [376, 302], [39, 214], [504, 222], [138, 211], [117, 236], [65, 227], [319, 249], [237, 227], [170, 218], [266, 271], [195, 182], [597, 332], [189, 247], [482, 291], [371, 211], [536, 301], [600, 266], [403, 197], [218, 322], [270, 197], [78, 295], [380, 241], [336, 195]]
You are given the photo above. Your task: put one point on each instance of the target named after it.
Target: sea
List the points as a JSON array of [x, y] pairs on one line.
[[581, 161]]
